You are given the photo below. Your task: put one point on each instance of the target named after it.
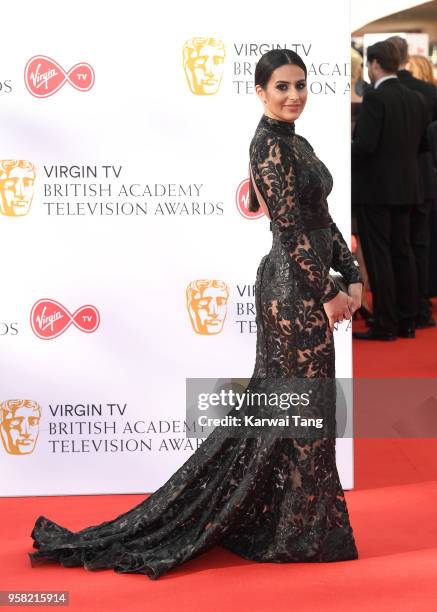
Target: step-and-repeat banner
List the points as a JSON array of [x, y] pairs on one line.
[[128, 254]]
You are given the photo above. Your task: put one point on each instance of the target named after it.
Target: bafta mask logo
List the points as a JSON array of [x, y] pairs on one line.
[[203, 60], [206, 304], [242, 201], [19, 425], [17, 178]]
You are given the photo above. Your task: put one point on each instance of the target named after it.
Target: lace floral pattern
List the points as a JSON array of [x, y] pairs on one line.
[[266, 498]]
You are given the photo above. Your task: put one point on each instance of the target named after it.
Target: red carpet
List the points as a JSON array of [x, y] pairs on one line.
[[393, 513]]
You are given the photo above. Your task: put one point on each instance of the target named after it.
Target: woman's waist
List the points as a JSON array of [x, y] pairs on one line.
[[320, 239]]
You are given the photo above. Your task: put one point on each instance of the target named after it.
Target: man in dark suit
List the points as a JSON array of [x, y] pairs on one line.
[[389, 132], [420, 215]]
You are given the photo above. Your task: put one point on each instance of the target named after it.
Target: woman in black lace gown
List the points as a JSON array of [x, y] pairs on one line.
[[267, 498]]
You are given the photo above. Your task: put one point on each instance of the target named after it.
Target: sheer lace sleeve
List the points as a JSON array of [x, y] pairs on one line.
[[275, 177], [342, 259]]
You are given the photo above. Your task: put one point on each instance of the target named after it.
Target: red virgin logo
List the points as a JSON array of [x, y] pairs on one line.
[[49, 319], [44, 77], [242, 201]]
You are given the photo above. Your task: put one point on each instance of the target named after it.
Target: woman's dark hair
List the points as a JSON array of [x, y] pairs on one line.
[[263, 71], [275, 58], [386, 53]]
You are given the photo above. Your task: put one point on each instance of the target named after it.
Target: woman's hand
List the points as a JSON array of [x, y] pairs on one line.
[[338, 308], [355, 290]]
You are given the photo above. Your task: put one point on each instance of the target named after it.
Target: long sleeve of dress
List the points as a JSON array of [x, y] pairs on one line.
[[342, 259], [275, 177]]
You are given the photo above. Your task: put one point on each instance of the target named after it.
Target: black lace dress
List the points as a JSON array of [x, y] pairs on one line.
[[267, 498]]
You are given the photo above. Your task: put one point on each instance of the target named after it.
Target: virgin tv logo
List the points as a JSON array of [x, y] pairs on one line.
[[49, 319], [43, 76], [242, 201]]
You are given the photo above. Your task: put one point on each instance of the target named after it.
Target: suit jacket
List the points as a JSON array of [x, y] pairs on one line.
[[428, 91], [427, 173], [432, 138], [390, 130]]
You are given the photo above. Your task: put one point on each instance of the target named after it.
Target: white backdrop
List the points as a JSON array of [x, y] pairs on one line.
[[141, 118]]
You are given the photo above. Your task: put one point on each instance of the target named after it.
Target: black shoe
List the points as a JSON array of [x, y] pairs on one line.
[[374, 334], [421, 323], [406, 331]]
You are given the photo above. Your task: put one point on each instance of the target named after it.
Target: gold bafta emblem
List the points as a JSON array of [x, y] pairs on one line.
[[203, 60], [19, 425], [17, 177], [206, 304]]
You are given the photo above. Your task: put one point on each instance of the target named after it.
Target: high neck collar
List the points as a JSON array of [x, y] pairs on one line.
[[285, 128]]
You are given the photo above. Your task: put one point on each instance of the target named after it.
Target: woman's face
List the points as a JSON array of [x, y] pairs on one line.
[[286, 93]]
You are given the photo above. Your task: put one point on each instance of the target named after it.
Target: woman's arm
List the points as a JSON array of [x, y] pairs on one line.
[[342, 259], [274, 174]]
